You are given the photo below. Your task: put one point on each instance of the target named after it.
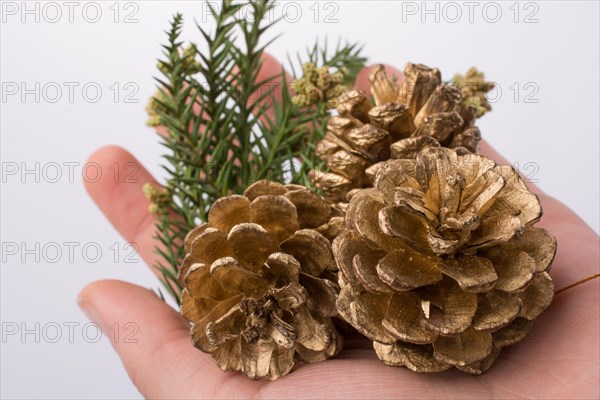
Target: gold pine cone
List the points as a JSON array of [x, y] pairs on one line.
[[421, 112], [259, 281], [440, 265]]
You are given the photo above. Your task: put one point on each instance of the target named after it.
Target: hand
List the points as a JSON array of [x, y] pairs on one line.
[[559, 359]]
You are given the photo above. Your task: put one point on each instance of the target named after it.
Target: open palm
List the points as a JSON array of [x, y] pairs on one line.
[[559, 359]]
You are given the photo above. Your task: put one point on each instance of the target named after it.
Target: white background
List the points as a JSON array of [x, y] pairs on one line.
[[555, 54]]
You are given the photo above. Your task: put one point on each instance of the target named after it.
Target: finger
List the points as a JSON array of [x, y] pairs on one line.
[[362, 79], [151, 338], [118, 193]]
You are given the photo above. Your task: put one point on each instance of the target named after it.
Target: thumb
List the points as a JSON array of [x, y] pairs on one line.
[[151, 338]]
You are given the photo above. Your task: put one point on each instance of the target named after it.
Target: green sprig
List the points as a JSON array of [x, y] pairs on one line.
[[219, 139]]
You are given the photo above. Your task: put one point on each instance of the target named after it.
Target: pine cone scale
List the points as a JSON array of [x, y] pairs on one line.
[[403, 317], [405, 269], [228, 212], [415, 357], [365, 268], [200, 286], [467, 348], [472, 273], [495, 310]]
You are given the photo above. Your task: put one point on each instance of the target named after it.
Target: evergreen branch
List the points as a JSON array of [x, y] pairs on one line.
[[220, 139]]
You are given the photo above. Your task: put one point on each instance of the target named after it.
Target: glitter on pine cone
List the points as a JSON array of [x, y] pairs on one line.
[[441, 265], [406, 118], [259, 281]]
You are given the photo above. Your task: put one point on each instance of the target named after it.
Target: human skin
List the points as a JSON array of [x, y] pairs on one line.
[[558, 360]]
